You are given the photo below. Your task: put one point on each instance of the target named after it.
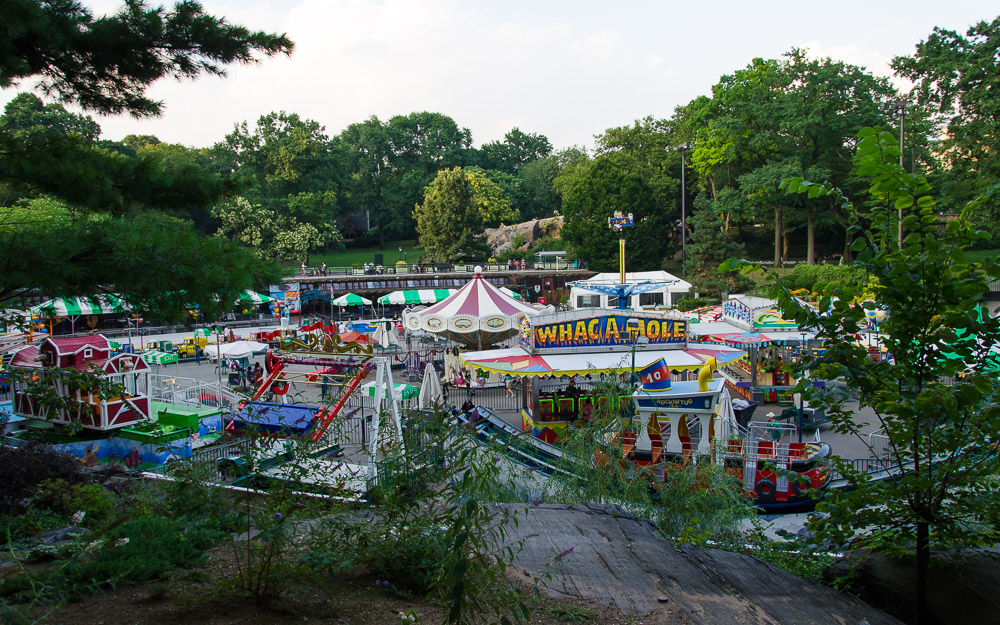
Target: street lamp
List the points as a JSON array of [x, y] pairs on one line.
[[400, 257]]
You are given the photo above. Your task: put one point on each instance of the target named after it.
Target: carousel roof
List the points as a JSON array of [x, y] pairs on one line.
[[476, 307], [480, 299]]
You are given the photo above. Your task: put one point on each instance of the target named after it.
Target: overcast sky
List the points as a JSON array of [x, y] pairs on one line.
[[565, 69]]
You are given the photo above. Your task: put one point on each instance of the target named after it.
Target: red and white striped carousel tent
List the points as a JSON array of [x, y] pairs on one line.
[[478, 314]]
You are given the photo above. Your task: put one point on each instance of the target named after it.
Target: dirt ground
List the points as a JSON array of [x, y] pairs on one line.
[[195, 597]]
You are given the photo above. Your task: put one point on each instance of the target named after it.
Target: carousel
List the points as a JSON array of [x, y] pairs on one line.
[[478, 315]]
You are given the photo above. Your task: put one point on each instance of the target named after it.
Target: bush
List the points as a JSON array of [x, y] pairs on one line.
[[685, 304], [25, 468], [67, 499], [135, 551]]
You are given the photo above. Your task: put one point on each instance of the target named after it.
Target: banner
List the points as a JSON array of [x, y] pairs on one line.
[[608, 331]]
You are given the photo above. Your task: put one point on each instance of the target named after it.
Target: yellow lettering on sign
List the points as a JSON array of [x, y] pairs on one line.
[[581, 331], [611, 329], [545, 334], [592, 330], [565, 332], [653, 329]]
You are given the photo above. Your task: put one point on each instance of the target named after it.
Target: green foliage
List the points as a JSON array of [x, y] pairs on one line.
[[494, 204], [106, 64], [592, 191], [135, 551], [831, 277], [685, 304], [695, 502], [25, 468], [449, 221], [67, 499], [712, 242], [517, 150], [946, 497]]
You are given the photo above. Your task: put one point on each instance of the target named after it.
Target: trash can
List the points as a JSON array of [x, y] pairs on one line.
[[745, 415]]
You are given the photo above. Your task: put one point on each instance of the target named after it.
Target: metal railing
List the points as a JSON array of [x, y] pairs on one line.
[[437, 268], [493, 397]]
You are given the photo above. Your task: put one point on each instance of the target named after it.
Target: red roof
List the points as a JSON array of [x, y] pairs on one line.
[[26, 357], [65, 347]]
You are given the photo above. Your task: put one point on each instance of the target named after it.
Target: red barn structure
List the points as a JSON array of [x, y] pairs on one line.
[[92, 412]]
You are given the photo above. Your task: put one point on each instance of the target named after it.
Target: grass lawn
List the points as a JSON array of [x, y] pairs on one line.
[[975, 255], [360, 255]]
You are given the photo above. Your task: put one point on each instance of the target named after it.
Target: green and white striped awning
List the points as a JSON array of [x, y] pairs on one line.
[[418, 296], [75, 306], [350, 299], [159, 358], [252, 297], [510, 293], [202, 332], [403, 391]]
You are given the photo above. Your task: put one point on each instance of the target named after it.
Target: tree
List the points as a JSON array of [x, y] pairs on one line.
[[296, 174], [713, 242], [27, 111], [268, 234], [537, 185], [955, 77], [796, 114], [938, 432], [515, 151], [106, 64], [592, 191], [115, 237], [491, 199], [449, 222]]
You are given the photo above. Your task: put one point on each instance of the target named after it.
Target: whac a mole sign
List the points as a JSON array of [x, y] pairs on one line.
[[607, 331]]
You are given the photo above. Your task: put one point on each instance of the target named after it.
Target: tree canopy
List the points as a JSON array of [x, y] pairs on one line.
[[105, 64]]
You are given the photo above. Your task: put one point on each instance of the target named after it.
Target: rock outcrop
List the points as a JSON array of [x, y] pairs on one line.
[[503, 239], [602, 554]]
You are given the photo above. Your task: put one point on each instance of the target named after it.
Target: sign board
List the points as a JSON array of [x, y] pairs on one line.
[[697, 402], [608, 331]]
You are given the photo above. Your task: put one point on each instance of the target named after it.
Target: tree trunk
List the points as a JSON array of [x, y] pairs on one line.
[[923, 560], [777, 236], [811, 239], [784, 245]]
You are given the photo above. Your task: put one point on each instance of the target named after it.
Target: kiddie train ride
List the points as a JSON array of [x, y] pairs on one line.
[[774, 471], [683, 420]]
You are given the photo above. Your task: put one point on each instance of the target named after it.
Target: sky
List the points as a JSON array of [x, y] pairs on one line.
[[564, 69]]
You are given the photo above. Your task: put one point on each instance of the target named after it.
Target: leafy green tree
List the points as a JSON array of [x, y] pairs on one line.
[[537, 185], [954, 76], [515, 151], [713, 242], [269, 234], [955, 84], [592, 191], [790, 117], [106, 64], [450, 222], [114, 238], [27, 111], [494, 204], [296, 174], [938, 431]]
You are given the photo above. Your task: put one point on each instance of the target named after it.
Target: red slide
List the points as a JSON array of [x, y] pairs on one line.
[[324, 417]]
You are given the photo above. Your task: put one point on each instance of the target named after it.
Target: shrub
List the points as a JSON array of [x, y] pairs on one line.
[[24, 468], [67, 499], [685, 304]]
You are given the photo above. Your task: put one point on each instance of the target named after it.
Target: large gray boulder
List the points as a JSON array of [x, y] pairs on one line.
[[601, 554]]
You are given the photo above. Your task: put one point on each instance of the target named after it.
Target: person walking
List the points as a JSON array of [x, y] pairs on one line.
[[774, 429]]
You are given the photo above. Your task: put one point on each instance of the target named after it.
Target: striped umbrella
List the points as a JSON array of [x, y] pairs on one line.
[[159, 358], [203, 332], [252, 297], [350, 299], [403, 391], [74, 306], [418, 296]]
